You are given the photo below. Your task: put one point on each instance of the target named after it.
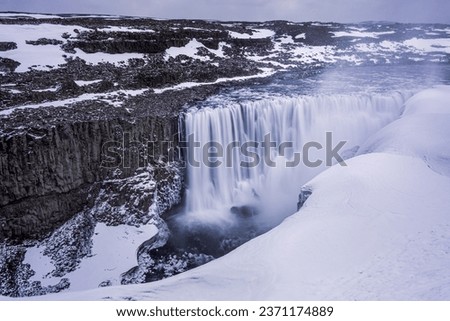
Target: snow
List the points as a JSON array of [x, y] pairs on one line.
[[266, 73], [87, 82], [113, 253], [42, 265], [430, 45], [14, 91], [300, 36], [422, 132], [30, 55], [110, 97], [43, 57], [313, 54], [390, 45], [219, 52], [360, 34], [286, 40], [99, 57], [257, 34], [124, 29], [350, 58], [51, 89], [376, 229], [189, 50]]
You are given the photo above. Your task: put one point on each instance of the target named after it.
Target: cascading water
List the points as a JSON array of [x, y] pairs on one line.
[[271, 191], [226, 206]]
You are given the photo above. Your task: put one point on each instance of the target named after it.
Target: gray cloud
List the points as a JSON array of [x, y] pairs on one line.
[[256, 10]]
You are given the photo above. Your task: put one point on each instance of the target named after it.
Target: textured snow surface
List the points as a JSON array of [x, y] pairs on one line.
[[41, 57], [361, 34], [377, 229], [430, 45], [257, 34], [113, 253], [373, 45]]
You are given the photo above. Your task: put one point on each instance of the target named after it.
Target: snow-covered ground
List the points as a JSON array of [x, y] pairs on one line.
[[113, 253], [377, 46], [111, 98], [377, 229], [266, 73], [191, 50]]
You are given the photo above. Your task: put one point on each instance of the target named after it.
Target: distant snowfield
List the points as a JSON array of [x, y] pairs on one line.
[[30, 55], [430, 45], [288, 50], [257, 34], [361, 34], [377, 229], [124, 29], [43, 57]]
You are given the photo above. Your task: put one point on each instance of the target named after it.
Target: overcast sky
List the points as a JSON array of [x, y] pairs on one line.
[[255, 10]]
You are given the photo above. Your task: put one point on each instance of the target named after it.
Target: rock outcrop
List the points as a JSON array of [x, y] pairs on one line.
[[48, 173]]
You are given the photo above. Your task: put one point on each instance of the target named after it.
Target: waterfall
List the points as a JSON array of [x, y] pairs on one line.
[[213, 191]]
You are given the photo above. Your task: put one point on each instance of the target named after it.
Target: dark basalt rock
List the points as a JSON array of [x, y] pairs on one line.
[[8, 65], [5, 46], [15, 275], [43, 42], [305, 193], [46, 172], [244, 211]]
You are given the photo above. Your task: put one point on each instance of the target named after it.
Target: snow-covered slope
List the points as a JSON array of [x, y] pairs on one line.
[[376, 229]]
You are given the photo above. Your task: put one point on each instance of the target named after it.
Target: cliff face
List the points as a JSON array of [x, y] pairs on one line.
[[50, 173]]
